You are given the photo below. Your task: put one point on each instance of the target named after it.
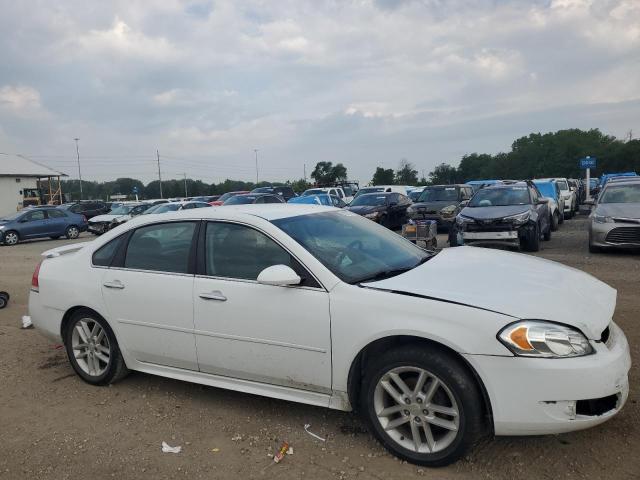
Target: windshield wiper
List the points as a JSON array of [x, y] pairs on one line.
[[384, 274]]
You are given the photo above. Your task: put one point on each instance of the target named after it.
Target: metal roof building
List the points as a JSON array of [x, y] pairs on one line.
[[24, 182]]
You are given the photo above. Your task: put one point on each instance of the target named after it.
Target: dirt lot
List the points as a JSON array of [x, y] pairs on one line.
[[54, 426]]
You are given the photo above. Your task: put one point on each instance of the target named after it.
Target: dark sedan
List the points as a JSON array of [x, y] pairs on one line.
[[90, 208], [40, 222], [514, 213], [440, 203], [249, 198], [388, 208]]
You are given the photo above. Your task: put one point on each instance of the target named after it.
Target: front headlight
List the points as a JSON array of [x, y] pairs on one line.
[[411, 209], [462, 220], [372, 216], [1, 227], [602, 219], [519, 219], [538, 338], [448, 211]]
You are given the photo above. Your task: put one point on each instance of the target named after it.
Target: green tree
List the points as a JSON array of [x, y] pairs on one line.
[[327, 172], [443, 174], [406, 173], [383, 176]]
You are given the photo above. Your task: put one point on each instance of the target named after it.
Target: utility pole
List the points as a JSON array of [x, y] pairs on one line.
[[305, 173], [79, 172], [159, 175], [256, 150], [185, 185]]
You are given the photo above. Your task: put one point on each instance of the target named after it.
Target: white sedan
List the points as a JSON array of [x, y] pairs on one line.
[[320, 306]]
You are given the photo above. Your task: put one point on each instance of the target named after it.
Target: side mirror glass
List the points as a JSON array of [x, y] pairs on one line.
[[543, 200], [464, 203], [590, 201], [281, 275]]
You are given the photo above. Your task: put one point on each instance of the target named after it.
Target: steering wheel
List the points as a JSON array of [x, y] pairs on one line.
[[341, 256]]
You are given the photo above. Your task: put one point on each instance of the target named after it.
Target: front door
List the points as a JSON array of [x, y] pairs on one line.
[[34, 224], [149, 294], [265, 333]]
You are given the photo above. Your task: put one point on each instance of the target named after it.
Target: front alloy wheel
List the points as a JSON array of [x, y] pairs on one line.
[[422, 404], [11, 238], [416, 409]]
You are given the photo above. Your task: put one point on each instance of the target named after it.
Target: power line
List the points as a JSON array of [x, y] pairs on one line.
[[159, 175]]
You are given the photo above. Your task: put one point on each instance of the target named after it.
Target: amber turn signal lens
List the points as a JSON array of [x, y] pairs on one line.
[[519, 337]]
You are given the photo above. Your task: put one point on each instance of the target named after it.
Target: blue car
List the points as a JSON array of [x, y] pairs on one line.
[[319, 199], [41, 222]]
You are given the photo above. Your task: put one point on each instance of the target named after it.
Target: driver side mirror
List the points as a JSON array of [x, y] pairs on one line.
[[464, 203], [543, 201], [280, 275]]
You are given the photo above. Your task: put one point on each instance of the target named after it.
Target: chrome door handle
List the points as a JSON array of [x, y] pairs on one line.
[[115, 284], [215, 295]]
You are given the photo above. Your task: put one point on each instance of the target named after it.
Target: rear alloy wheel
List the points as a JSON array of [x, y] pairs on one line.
[[11, 238], [422, 405], [93, 350], [72, 232]]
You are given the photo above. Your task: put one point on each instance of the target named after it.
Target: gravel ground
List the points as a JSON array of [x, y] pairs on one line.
[[54, 426]]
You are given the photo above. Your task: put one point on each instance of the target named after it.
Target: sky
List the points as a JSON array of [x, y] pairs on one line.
[[363, 82]]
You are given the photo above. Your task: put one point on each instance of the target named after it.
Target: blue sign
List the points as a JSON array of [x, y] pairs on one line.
[[588, 162], [135, 190]]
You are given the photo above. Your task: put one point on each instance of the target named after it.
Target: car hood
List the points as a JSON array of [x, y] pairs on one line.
[[486, 213], [108, 218], [518, 285], [434, 205], [619, 210], [364, 209]]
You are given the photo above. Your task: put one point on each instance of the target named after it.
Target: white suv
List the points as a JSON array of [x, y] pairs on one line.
[[568, 195]]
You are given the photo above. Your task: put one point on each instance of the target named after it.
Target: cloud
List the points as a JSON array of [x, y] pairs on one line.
[[363, 82]]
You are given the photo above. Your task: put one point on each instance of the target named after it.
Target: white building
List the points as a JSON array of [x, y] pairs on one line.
[[19, 182]]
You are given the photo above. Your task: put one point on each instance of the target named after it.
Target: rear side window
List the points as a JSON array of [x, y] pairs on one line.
[[162, 247], [56, 214], [104, 255]]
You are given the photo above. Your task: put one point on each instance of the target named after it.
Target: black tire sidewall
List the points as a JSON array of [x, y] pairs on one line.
[[457, 378], [114, 357]]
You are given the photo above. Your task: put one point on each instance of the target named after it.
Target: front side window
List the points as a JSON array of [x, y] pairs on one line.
[[34, 216], [162, 247], [237, 251]]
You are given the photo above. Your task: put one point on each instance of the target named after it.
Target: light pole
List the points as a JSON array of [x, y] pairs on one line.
[[79, 172], [256, 151]]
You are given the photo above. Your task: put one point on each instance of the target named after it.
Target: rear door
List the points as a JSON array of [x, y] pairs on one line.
[[58, 221], [148, 290]]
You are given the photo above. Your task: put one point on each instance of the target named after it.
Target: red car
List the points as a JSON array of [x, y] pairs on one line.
[[226, 196]]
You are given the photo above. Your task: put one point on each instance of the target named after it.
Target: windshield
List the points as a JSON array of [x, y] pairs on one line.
[[500, 197], [151, 209], [365, 190], [563, 185], [121, 210], [353, 248], [313, 191], [241, 199], [262, 190], [621, 194], [547, 189], [167, 207], [439, 194], [370, 200]]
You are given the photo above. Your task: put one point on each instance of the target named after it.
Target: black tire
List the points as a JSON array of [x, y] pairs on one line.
[[594, 249], [547, 234], [13, 236], [531, 242], [384, 221], [453, 237], [451, 372], [555, 221], [115, 369], [560, 218], [3, 302], [72, 232]]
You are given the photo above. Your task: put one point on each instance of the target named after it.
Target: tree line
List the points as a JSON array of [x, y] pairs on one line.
[[537, 155]]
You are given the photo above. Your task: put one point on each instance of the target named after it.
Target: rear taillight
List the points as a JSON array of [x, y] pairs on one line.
[[35, 285]]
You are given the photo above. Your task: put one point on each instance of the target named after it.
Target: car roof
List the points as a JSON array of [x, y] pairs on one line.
[[375, 194], [496, 186], [447, 185]]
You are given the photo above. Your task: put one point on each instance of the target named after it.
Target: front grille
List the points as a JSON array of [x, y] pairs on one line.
[[596, 406], [489, 226], [624, 235]]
